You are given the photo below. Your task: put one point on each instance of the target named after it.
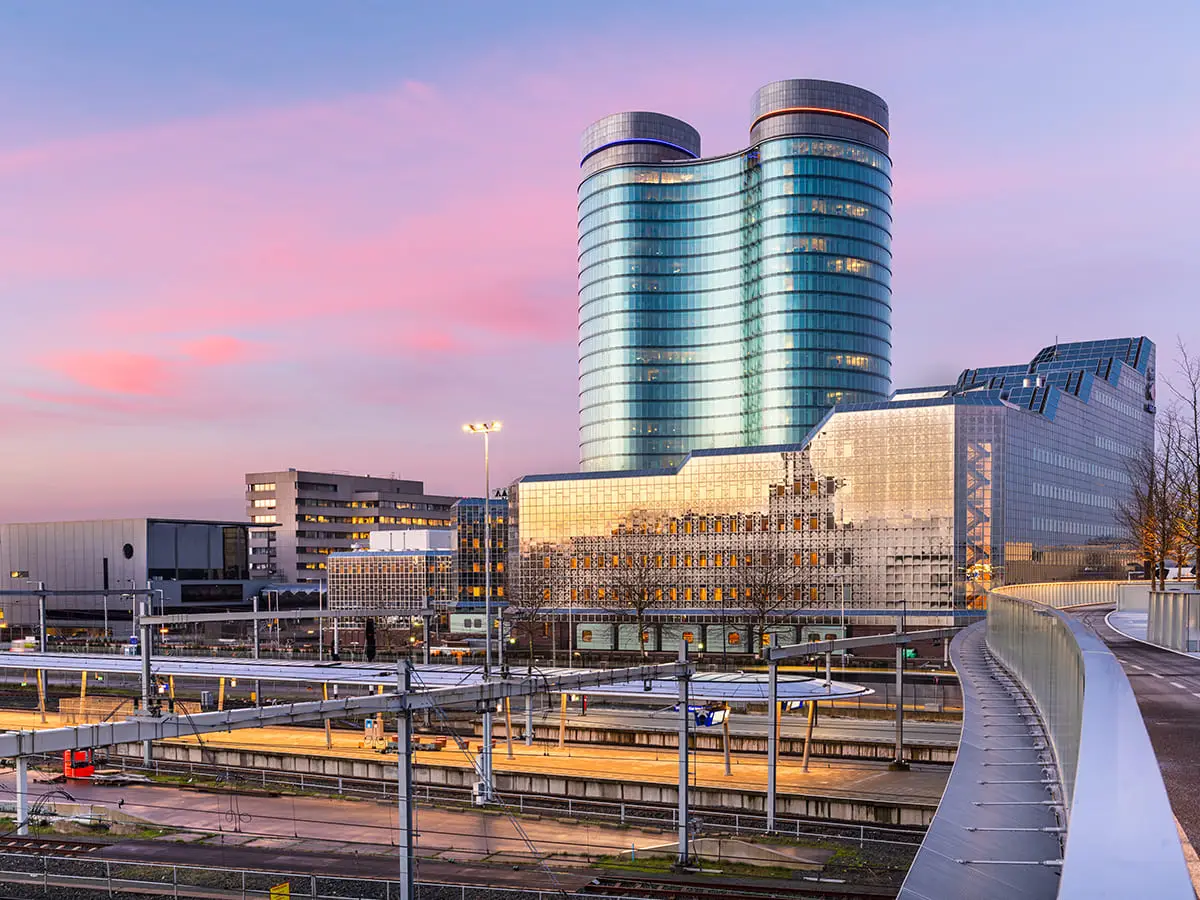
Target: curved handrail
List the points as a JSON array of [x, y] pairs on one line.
[[1121, 836]]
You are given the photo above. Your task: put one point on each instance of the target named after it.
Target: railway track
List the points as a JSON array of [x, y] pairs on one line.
[[653, 888], [49, 846]]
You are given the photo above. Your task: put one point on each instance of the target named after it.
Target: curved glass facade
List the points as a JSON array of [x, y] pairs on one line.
[[732, 301]]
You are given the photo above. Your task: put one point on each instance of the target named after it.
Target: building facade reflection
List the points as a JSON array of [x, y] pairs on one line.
[[919, 503]]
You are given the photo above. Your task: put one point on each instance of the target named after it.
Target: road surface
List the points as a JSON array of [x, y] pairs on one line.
[[1167, 687]]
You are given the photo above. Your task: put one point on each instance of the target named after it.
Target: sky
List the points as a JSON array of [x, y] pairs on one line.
[[241, 237]]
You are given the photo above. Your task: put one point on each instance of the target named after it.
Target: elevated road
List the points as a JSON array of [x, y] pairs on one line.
[[1167, 687]]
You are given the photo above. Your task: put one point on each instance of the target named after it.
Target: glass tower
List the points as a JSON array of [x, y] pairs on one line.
[[731, 301]]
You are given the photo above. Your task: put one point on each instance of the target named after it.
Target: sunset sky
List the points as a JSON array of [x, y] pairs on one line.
[[246, 236]]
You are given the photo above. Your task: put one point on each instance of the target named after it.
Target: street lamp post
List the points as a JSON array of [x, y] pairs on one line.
[[486, 429]]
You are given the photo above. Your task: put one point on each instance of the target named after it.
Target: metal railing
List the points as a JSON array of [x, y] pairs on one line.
[[1121, 837], [49, 875], [1065, 594]]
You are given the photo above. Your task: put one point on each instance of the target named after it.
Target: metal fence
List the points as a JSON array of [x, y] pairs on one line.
[[1121, 836], [51, 876]]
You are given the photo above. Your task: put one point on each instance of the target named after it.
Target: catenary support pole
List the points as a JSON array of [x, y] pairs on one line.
[[22, 796], [328, 727], [41, 686], [147, 647], [529, 720], [257, 683], [427, 622], [684, 856], [812, 717], [772, 739], [508, 724], [404, 791], [725, 735], [562, 721], [221, 695], [899, 697], [828, 668], [42, 616], [82, 687]]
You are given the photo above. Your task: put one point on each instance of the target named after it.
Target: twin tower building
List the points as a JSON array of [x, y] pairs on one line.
[[731, 301]]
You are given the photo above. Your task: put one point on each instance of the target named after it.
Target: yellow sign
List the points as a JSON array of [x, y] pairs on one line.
[[281, 891]]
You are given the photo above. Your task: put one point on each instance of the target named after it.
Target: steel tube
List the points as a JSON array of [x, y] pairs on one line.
[[683, 759], [772, 740]]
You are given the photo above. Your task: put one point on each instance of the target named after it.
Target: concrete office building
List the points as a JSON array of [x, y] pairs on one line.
[[731, 301], [923, 502], [199, 565], [314, 514]]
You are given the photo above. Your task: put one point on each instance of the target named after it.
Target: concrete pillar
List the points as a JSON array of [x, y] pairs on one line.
[[529, 720]]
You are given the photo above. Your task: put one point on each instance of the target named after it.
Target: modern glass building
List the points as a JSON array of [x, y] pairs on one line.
[[469, 571], [921, 502], [731, 301]]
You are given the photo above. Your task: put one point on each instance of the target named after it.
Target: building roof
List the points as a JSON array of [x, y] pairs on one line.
[[1035, 387]]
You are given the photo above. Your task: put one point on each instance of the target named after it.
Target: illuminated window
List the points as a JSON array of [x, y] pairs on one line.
[[797, 523], [545, 562], [814, 594], [814, 524], [814, 558], [263, 520]]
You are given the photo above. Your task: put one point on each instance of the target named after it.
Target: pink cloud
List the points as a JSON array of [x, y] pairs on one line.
[[117, 372], [216, 350]]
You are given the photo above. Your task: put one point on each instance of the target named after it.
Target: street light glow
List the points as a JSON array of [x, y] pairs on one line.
[[481, 427]]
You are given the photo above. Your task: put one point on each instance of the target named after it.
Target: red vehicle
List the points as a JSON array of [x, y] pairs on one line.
[[78, 764]]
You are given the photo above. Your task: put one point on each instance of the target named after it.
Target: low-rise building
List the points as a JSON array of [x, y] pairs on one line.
[[192, 564]]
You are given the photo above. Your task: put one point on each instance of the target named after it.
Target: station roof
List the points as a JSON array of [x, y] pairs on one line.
[[715, 686]]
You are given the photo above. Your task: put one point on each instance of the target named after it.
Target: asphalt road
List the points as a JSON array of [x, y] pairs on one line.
[[1167, 687], [792, 724]]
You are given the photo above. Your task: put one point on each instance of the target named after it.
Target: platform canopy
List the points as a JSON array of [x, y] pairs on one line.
[[734, 687]]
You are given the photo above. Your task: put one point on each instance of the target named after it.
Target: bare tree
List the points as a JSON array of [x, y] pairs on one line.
[[1187, 390], [631, 577], [1154, 511], [768, 573], [534, 593]]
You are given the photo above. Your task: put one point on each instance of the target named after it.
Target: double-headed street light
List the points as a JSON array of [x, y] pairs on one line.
[[486, 429]]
